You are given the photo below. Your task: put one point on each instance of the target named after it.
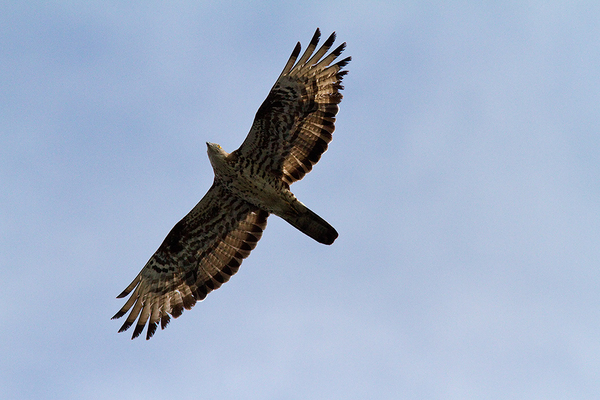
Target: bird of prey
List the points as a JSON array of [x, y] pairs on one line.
[[290, 132]]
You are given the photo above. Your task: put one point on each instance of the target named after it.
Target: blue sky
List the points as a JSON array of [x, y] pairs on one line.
[[463, 180]]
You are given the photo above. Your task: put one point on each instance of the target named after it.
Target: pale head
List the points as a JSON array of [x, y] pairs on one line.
[[216, 155]]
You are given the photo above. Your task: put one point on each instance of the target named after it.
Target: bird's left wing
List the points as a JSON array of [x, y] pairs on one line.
[[294, 125], [200, 253]]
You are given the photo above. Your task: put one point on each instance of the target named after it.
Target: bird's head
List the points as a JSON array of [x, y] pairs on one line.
[[216, 154]]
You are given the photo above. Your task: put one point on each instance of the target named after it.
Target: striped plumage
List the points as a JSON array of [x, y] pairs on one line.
[[290, 132], [293, 126]]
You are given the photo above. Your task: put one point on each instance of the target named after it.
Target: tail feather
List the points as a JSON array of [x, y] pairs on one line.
[[311, 224]]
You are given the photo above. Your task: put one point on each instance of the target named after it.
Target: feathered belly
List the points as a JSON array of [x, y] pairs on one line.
[[266, 194]]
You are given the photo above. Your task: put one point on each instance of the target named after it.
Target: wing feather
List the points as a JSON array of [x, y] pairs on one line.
[[294, 125], [320, 53], [291, 61], [200, 253], [309, 49]]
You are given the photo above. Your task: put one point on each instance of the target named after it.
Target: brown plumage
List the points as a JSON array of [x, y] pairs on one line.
[[290, 132]]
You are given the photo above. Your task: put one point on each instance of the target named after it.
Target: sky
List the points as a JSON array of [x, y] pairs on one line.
[[463, 179]]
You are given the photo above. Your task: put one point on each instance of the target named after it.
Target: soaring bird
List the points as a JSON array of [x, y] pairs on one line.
[[291, 130]]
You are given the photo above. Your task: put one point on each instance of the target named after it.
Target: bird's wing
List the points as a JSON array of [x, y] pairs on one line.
[[200, 253], [293, 126]]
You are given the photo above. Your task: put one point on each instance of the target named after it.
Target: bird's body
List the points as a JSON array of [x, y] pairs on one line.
[[259, 187], [290, 132], [266, 190]]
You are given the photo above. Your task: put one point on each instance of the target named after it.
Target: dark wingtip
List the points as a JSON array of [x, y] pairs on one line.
[[338, 50], [125, 326], [296, 51], [344, 62], [151, 330], [164, 321], [118, 315], [137, 331], [330, 40], [316, 37], [177, 310]]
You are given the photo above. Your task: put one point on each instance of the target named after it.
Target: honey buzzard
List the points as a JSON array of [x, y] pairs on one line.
[[290, 132]]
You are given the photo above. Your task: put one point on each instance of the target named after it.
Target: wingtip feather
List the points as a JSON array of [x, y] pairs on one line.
[[137, 331], [330, 40], [125, 326], [119, 314], [316, 37], [338, 50], [343, 63]]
